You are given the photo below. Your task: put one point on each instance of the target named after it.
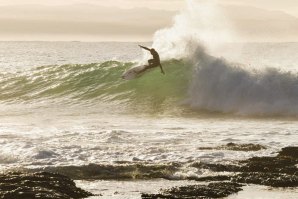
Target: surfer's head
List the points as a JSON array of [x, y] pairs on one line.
[[152, 50]]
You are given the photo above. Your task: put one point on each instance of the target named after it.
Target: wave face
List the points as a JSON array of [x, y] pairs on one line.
[[95, 82], [203, 83]]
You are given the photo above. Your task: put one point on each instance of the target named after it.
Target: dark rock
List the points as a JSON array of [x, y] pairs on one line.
[[278, 164], [236, 147], [285, 162], [289, 152], [118, 172], [210, 178], [244, 147], [216, 167], [278, 171], [17, 185], [213, 190], [268, 179]]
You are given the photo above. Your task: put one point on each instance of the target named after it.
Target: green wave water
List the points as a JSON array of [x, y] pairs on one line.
[[93, 82], [201, 84]]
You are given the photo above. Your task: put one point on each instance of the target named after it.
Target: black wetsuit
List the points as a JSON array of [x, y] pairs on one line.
[[152, 63], [155, 61]]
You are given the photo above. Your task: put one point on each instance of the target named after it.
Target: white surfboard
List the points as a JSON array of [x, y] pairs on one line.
[[134, 72]]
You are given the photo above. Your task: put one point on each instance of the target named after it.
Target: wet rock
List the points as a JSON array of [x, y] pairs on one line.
[[216, 167], [289, 152], [236, 147], [17, 185], [117, 171], [213, 190], [268, 179], [278, 171], [211, 178], [278, 164], [284, 162]]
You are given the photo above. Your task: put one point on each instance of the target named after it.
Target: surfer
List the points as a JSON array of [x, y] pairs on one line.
[[153, 62]]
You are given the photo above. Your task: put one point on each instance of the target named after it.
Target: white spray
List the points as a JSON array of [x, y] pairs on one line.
[[201, 21], [218, 85]]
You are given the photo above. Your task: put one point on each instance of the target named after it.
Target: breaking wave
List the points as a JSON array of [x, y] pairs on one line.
[[203, 82], [218, 85]]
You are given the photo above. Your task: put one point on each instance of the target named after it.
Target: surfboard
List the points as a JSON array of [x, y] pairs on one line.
[[134, 72]]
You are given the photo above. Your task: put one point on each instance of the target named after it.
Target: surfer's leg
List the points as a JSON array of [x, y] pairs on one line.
[[151, 62]]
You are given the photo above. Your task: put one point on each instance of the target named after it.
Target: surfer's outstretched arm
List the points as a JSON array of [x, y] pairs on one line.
[[144, 47], [163, 72]]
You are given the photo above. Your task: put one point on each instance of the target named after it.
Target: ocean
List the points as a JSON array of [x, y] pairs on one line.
[[64, 103]]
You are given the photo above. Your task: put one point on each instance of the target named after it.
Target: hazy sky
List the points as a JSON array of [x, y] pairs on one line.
[[161, 4], [290, 6], [135, 20]]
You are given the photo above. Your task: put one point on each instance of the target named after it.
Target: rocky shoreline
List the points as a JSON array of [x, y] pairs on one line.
[[212, 190], [44, 185], [278, 171], [56, 182]]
